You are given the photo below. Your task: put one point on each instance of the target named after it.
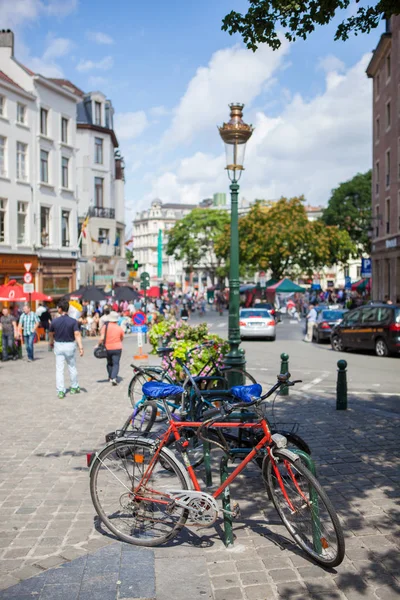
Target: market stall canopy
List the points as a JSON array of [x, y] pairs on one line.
[[152, 292], [361, 285], [285, 286], [88, 292], [39, 297], [125, 292], [14, 292]]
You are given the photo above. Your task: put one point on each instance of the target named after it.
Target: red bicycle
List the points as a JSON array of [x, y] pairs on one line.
[[145, 495]]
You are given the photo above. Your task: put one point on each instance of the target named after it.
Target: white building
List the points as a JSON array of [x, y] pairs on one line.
[[59, 164], [146, 227], [38, 184]]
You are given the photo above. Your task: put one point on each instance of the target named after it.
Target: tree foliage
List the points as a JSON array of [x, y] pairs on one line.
[[299, 18], [350, 209], [278, 236], [192, 239]]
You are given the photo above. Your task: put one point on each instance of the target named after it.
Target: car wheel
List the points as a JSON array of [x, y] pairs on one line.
[[272, 338], [317, 339], [337, 344], [381, 348]]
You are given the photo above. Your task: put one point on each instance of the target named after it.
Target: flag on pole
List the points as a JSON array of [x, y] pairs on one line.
[[84, 225]]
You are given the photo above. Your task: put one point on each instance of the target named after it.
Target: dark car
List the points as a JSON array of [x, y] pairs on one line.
[[372, 327], [327, 319]]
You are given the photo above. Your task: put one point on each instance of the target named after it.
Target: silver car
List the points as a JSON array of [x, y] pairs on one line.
[[257, 323]]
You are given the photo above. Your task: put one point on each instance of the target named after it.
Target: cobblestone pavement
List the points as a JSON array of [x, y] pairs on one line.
[[48, 538]]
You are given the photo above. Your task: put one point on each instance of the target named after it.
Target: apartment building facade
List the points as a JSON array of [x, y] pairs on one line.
[[384, 70], [53, 177]]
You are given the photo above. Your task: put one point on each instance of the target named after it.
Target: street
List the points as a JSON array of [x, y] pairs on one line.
[[52, 545]]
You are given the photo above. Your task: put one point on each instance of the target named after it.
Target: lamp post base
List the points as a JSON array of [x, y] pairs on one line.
[[235, 359]]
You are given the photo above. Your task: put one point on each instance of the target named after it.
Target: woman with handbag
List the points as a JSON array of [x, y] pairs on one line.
[[111, 337]]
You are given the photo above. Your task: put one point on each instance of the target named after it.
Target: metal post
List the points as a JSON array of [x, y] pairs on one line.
[[207, 463], [284, 369], [235, 356], [226, 503], [341, 386]]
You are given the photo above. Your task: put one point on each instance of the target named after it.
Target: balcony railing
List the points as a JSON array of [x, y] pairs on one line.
[[102, 213]]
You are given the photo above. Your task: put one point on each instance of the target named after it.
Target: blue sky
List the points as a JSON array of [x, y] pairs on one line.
[[170, 72]]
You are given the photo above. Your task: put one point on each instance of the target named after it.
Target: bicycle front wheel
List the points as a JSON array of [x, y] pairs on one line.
[[138, 511], [138, 380], [305, 509]]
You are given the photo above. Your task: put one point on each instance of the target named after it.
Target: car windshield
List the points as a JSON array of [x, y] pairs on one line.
[[332, 315], [246, 314]]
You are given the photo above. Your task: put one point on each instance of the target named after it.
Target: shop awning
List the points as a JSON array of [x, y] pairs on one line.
[[285, 286]]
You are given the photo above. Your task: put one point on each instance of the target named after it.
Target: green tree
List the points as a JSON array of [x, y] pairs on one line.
[[192, 239], [349, 208], [299, 18], [278, 236]]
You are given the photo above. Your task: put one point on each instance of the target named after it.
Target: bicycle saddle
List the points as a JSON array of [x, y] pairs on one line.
[[164, 350], [246, 393], [158, 389]]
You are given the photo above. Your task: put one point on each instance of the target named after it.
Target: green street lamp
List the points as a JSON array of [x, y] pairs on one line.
[[235, 134]]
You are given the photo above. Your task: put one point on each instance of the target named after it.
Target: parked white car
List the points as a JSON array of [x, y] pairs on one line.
[[257, 323]]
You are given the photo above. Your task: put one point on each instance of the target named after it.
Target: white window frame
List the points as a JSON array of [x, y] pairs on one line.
[[3, 211], [98, 149], [104, 235], [22, 210], [68, 228], [21, 111], [2, 106], [42, 179], [22, 161], [45, 234], [97, 117], [65, 172], [388, 114], [44, 125], [102, 192], [3, 167], [64, 121]]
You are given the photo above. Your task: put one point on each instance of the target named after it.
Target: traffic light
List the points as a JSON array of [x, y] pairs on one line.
[[135, 265], [144, 281]]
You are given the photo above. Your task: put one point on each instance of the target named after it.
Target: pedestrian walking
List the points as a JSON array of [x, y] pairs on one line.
[[311, 322], [45, 320], [64, 335], [111, 336], [27, 325], [9, 334]]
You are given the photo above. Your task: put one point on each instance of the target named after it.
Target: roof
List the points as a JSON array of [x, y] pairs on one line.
[[8, 79], [379, 52], [178, 205], [24, 67], [71, 87]]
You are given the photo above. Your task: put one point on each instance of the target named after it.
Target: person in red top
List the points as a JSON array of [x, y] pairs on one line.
[[112, 335]]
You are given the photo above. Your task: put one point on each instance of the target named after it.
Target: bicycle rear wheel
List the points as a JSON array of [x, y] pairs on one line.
[[305, 509], [140, 514], [142, 419]]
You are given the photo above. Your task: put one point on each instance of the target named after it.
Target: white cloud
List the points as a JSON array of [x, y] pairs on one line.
[[99, 37], [159, 111], [308, 149], [130, 125], [105, 64], [46, 64], [14, 13], [331, 63], [233, 74], [56, 48], [95, 81]]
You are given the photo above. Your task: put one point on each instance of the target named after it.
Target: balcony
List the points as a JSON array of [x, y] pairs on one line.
[[102, 213]]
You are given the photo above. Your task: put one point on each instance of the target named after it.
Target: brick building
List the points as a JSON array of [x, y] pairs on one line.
[[384, 69]]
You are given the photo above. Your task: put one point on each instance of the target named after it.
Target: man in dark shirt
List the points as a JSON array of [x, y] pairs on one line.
[[64, 335], [9, 333]]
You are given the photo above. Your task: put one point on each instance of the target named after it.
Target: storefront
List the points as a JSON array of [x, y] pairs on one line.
[[12, 266], [386, 269], [56, 277]]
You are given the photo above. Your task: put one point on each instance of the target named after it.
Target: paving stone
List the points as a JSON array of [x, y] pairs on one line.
[[222, 568], [249, 565], [292, 589], [280, 575], [60, 592], [259, 592], [233, 593], [224, 581]]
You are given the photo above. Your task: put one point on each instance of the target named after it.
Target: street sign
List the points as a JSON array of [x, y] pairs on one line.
[[28, 277], [139, 318], [366, 267], [27, 266], [28, 288], [347, 283], [139, 329]]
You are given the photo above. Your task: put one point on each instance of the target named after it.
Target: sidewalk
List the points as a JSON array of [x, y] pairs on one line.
[[49, 544]]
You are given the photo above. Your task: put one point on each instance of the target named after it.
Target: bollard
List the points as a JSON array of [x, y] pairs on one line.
[[341, 386], [284, 369]]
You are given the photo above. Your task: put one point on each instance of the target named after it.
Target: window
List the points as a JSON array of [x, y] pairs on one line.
[[353, 318], [97, 113], [43, 121], [21, 222], [98, 151], [377, 177], [64, 130], [98, 192], [388, 66], [22, 150], [388, 115], [358, 272], [388, 168], [64, 172], [377, 220], [387, 215], [45, 225], [3, 212], [3, 156], [2, 106], [21, 113], [398, 208], [378, 85], [369, 315], [384, 314], [377, 129], [44, 166], [398, 158], [104, 236], [65, 228]]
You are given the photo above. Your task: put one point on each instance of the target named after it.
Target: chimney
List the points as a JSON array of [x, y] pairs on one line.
[[7, 39]]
